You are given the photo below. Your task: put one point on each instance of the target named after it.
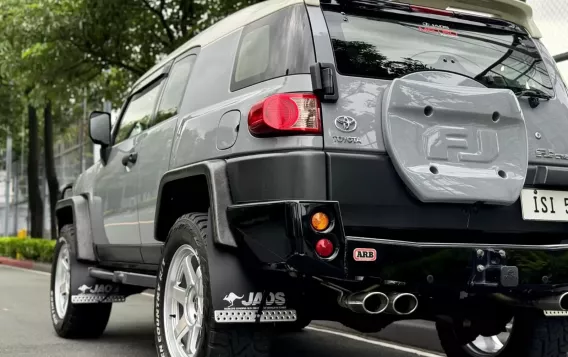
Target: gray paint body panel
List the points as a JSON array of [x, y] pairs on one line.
[[459, 141], [228, 129]]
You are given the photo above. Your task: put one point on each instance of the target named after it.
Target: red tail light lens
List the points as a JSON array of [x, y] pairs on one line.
[[286, 113], [430, 10], [324, 248]]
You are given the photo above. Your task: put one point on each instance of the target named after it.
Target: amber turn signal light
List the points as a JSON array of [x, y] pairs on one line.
[[320, 221]]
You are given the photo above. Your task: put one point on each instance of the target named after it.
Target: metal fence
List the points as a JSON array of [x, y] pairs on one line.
[[70, 161]]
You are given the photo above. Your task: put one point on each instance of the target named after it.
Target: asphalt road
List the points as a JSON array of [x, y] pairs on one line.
[[25, 329]]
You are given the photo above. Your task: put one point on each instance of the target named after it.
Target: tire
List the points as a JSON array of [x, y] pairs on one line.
[[532, 335], [76, 320], [187, 240]]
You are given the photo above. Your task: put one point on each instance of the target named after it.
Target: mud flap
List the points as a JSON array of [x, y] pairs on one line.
[[88, 290], [454, 140], [238, 298]]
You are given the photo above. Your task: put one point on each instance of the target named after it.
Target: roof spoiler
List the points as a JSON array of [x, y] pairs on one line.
[[515, 11]]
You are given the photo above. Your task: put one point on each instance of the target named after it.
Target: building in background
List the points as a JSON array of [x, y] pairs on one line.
[[551, 17]]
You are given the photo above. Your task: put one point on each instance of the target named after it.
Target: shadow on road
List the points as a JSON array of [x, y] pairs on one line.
[[139, 341]]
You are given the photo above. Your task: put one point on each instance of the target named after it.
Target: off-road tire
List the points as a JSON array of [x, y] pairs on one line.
[[228, 340], [533, 335], [80, 320]]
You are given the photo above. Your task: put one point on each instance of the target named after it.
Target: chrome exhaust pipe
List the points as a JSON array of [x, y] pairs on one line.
[[366, 302], [402, 303], [556, 303], [551, 303]]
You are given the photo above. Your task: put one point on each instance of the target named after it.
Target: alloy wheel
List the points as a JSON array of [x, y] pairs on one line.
[[62, 281], [490, 346], [183, 303]]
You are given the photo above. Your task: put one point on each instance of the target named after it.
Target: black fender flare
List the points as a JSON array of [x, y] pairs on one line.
[[80, 218], [219, 197]]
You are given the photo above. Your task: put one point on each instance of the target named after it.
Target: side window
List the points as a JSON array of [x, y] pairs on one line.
[[175, 87], [138, 112], [274, 46]]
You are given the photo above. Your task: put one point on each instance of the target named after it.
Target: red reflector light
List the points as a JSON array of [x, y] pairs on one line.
[[324, 248], [291, 113], [431, 10]]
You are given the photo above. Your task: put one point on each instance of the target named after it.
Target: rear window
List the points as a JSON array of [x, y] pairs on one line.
[[389, 48], [274, 46]]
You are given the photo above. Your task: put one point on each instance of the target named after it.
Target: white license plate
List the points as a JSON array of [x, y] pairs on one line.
[[544, 205]]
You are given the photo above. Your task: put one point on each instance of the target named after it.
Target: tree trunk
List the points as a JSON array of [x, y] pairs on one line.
[[35, 201], [50, 173]]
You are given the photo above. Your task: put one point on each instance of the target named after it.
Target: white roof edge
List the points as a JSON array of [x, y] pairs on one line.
[[312, 2], [224, 27], [516, 11]]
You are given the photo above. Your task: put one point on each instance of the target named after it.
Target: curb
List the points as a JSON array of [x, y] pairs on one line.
[[25, 264]]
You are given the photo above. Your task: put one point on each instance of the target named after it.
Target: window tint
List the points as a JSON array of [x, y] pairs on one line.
[[274, 46], [138, 113], [388, 48], [175, 87]]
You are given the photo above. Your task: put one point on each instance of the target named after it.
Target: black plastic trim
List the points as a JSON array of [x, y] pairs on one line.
[[219, 196], [152, 253], [82, 221], [298, 175], [374, 200], [547, 176], [119, 253]]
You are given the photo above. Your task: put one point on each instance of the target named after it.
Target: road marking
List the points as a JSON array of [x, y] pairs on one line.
[[375, 342], [48, 274], [28, 270], [331, 332]]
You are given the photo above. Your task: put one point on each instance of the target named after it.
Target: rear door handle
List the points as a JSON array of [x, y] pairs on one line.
[[129, 158]]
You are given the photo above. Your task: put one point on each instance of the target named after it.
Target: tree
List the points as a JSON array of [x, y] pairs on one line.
[[52, 51], [50, 173], [35, 201]]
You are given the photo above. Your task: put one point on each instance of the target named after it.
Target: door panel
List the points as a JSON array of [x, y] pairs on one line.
[[118, 181], [154, 153], [116, 185]]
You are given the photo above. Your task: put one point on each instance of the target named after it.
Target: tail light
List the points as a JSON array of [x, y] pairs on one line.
[[286, 113]]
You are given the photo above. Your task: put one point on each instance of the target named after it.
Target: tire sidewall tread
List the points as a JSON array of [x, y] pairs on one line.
[[80, 320], [533, 335], [229, 341]]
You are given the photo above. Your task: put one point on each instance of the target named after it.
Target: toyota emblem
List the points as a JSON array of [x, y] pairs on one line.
[[345, 123]]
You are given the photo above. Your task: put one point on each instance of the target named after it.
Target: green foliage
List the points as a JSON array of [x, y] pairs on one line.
[[39, 250]]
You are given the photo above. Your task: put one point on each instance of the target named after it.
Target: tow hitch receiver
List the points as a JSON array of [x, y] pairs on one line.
[[490, 269]]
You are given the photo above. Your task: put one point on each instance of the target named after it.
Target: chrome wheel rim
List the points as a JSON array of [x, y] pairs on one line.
[[491, 345], [183, 303], [62, 281]]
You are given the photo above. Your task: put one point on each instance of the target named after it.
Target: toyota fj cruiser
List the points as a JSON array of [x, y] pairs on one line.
[[357, 161]]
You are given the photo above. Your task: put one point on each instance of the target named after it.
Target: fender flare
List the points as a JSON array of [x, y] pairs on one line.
[[219, 196], [81, 219]]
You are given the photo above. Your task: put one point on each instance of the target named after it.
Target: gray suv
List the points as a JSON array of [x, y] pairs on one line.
[[356, 161]]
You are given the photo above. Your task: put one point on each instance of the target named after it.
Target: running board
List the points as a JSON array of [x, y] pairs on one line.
[[122, 277]]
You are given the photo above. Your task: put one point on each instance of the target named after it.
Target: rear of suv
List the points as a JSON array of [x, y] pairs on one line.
[[356, 161]]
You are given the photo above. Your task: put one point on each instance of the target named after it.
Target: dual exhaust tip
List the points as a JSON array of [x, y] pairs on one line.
[[377, 302]]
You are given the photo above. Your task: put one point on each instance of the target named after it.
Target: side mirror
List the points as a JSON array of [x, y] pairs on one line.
[[99, 128]]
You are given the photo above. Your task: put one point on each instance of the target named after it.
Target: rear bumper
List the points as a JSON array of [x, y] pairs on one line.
[[280, 236]]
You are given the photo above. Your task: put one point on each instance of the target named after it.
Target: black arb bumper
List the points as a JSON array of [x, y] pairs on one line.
[[280, 236]]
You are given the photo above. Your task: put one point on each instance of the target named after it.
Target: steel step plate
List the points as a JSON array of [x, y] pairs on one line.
[[232, 316]]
